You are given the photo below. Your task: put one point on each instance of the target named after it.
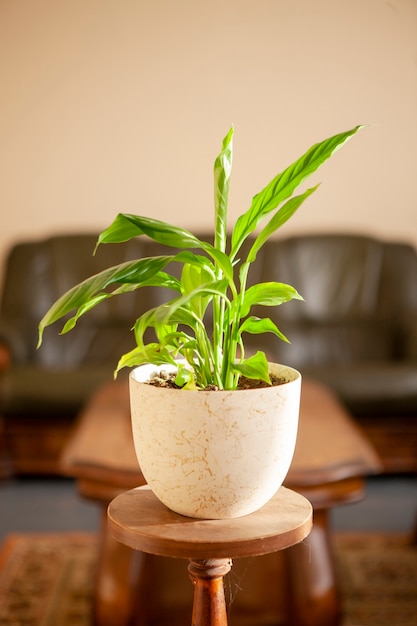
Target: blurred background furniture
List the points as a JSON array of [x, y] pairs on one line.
[[42, 390], [356, 332]]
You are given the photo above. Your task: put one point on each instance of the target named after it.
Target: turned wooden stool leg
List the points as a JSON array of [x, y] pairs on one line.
[[209, 607]]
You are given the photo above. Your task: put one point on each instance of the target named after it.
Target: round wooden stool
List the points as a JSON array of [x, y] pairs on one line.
[[139, 520]]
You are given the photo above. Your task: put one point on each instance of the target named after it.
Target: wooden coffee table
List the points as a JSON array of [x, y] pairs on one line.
[[331, 459]]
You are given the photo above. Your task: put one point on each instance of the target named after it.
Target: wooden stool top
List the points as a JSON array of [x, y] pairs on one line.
[[139, 520]]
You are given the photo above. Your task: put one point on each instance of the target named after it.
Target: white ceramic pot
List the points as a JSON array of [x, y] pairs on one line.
[[214, 454]]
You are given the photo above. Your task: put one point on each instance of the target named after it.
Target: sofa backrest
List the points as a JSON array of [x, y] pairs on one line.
[[359, 294], [38, 272]]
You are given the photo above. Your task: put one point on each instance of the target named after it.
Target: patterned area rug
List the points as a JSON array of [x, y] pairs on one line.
[[378, 574], [47, 580]]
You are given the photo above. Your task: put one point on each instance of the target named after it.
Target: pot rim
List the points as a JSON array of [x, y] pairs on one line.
[[148, 369]]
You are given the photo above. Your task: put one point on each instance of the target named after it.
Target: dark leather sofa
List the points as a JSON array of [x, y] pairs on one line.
[[356, 332], [41, 391]]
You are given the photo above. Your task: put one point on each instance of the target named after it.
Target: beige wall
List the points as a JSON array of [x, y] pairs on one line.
[[121, 105]]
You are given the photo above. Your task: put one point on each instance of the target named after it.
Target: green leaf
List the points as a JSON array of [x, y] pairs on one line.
[[222, 173], [178, 341], [284, 184], [145, 321], [161, 279], [191, 278], [197, 260], [185, 378], [70, 323], [258, 326], [255, 367], [280, 217], [152, 353], [127, 226], [268, 294], [167, 334], [214, 288], [220, 258], [89, 292], [165, 330], [173, 314]]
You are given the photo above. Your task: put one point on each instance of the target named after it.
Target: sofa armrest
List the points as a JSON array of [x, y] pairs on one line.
[[12, 346]]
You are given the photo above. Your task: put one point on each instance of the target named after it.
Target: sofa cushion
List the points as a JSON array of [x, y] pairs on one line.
[[35, 392]]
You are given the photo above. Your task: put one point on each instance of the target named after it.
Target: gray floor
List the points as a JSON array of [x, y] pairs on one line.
[[44, 505], [390, 505], [53, 505]]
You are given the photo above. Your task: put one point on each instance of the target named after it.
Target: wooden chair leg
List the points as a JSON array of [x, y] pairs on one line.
[[313, 598], [6, 464], [119, 572], [414, 533]]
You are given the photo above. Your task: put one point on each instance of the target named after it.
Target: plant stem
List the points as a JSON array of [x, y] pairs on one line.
[[231, 377]]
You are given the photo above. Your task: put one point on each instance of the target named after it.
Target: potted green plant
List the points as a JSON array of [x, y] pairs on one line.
[[182, 440]]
